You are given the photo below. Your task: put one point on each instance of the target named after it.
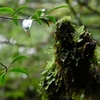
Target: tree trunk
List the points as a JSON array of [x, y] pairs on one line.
[[73, 73]]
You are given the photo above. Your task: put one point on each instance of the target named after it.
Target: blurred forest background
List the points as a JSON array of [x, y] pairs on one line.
[[14, 41]]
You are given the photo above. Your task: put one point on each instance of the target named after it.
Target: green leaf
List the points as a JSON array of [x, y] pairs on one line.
[[34, 17], [56, 8], [81, 29], [45, 21], [52, 19], [15, 20], [39, 12], [2, 79], [39, 21], [18, 9], [6, 10], [19, 70], [17, 58]]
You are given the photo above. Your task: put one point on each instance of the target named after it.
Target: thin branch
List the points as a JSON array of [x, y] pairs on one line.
[[4, 66], [37, 46], [74, 13], [20, 19], [9, 43], [89, 8], [10, 18]]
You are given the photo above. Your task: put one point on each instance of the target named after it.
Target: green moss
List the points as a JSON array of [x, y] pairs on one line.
[[73, 72], [63, 20]]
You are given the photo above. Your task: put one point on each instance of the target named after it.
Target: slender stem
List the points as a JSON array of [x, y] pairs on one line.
[[74, 13], [4, 66], [10, 18], [89, 8]]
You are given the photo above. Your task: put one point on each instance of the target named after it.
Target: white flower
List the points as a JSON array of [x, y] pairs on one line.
[[43, 10], [26, 24]]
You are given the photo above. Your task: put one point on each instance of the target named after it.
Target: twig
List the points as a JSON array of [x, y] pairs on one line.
[[37, 46], [89, 8], [17, 44], [20, 19], [74, 12], [4, 66], [10, 18]]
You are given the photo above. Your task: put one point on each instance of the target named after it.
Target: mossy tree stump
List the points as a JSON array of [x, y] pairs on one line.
[[73, 73]]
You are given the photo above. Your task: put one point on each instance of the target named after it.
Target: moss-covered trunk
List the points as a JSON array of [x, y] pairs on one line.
[[73, 73]]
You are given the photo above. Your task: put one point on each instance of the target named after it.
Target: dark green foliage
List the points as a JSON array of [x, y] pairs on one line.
[[73, 74]]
